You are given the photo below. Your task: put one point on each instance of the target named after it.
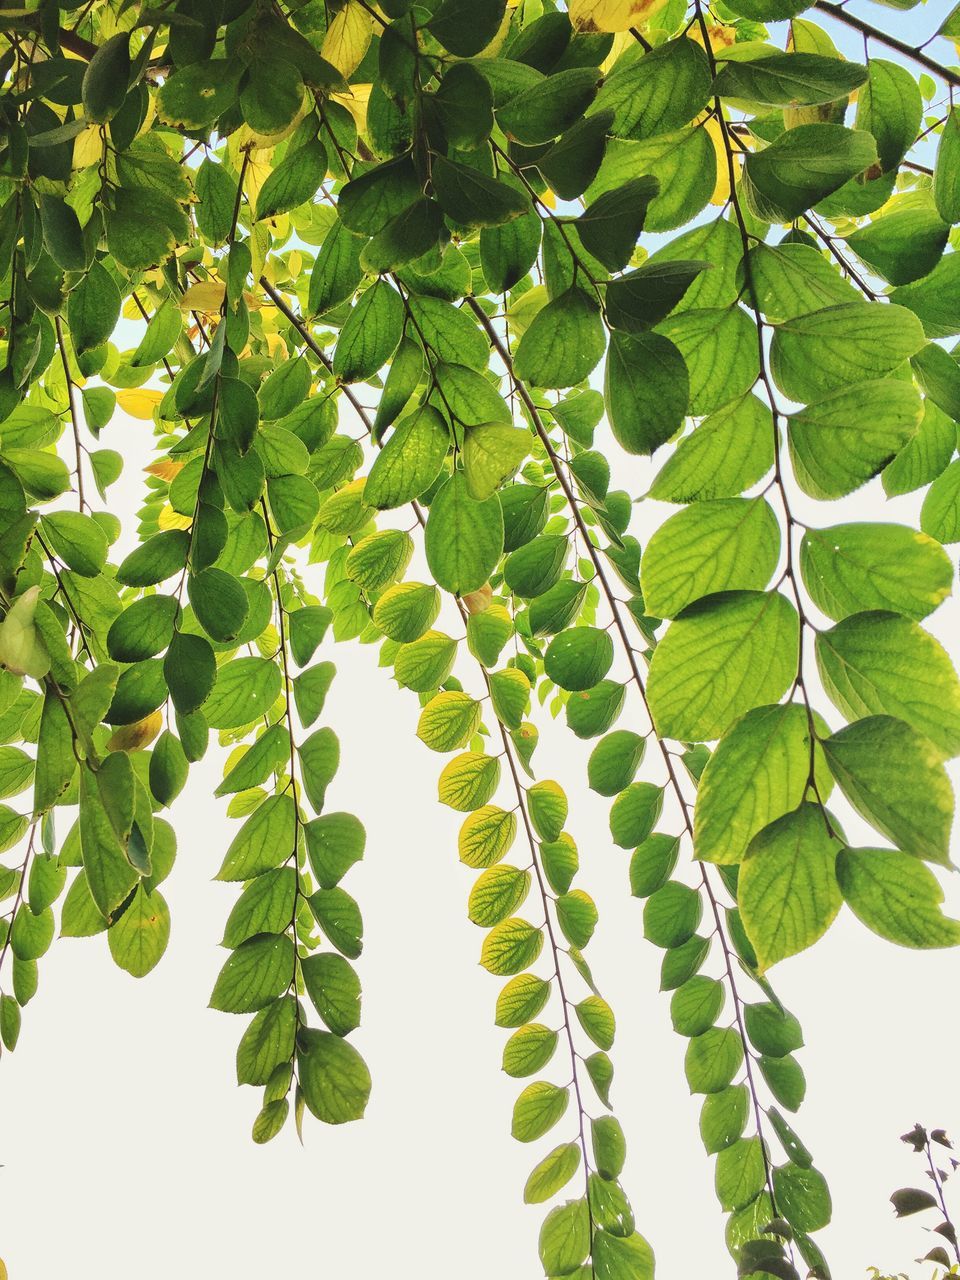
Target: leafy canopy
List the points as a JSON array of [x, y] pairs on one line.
[[401, 295]]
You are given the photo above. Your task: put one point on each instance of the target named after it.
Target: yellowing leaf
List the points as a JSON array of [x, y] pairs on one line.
[[206, 296], [611, 15], [134, 737], [139, 402], [721, 192], [87, 148], [164, 468], [356, 102], [348, 38], [170, 519], [21, 649]]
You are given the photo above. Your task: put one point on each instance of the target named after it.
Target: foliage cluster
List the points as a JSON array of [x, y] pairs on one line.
[[242, 222]]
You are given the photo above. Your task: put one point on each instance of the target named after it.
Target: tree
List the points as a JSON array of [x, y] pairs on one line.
[[242, 222]]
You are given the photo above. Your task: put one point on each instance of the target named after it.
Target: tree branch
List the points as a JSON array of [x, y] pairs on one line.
[[900, 46]]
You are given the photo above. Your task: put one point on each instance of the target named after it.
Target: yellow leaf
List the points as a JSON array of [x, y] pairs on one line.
[[87, 148], [134, 737], [206, 296], [140, 402], [348, 38], [170, 519], [356, 102], [611, 15], [165, 468], [721, 192], [720, 37], [622, 41], [477, 601]]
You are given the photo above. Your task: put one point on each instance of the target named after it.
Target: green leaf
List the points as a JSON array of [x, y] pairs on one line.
[[511, 946], [258, 971], [486, 836], [610, 226], [552, 1173], [267, 1042], [93, 309], [294, 181], [902, 245], [841, 442], [671, 915], [696, 1005], [652, 863], [334, 1078], [896, 896], [338, 915], [658, 93], [319, 759], [724, 656], [622, 1257], [334, 988], [529, 1050], [709, 547], [410, 461], [789, 79], [246, 688], [787, 890], [595, 710], [448, 721], [579, 658], [565, 1238], [740, 1173], [759, 772], [371, 334], [772, 1030], [646, 389], [139, 938], [713, 1059], [940, 514], [890, 107], [851, 568], [946, 174], [642, 298], [802, 1197], [464, 27], [700, 337], [406, 610], [634, 813], [894, 777], [563, 344], [614, 761], [334, 843], [802, 166], [263, 842], [155, 560], [106, 78], [537, 1110], [724, 1117], [492, 453], [471, 199], [198, 94], [265, 906], [884, 664], [814, 355], [409, 235], [464, 536], [62, 233], [728, 452]]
